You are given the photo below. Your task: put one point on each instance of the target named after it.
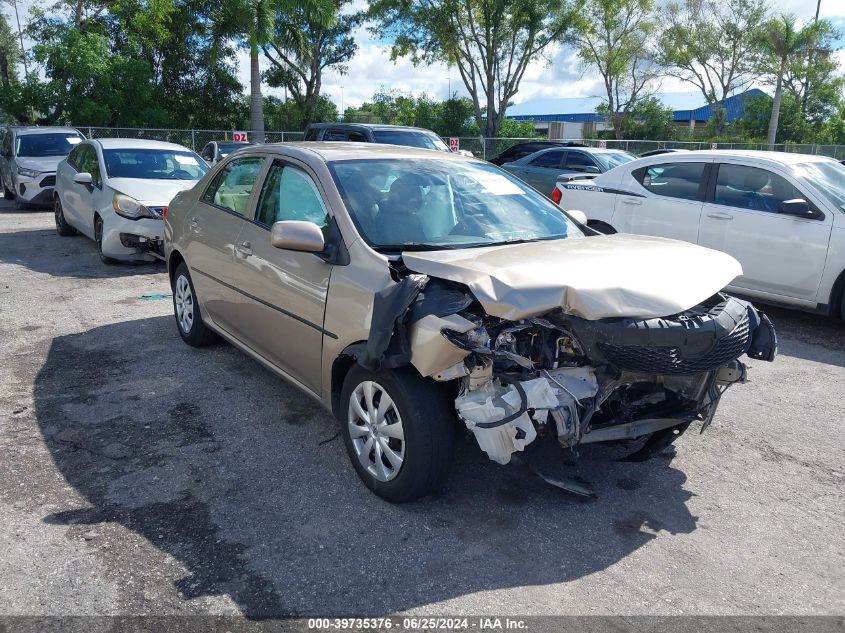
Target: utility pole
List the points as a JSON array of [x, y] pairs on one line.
[[342, 111], [20, 36]]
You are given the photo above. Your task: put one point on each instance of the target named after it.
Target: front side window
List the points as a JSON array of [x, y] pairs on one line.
[[47, 144], [829, 177], [232, 187], [551, 159], [289, 194], [153, 164], [674, 180], [88, 163], [752, 188], [441, 204], [73, 157]]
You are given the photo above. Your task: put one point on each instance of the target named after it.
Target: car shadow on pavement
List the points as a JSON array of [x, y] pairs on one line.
[[44, 251], [242, 480]]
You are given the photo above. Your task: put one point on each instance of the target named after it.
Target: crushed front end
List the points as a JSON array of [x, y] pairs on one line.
[[558, 375]]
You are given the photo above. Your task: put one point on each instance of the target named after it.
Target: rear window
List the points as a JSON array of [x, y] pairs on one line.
[[674, 180]]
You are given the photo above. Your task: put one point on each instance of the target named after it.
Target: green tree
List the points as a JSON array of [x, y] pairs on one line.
[[490, 42], [453, 118], [647, 119], [10, 54], [255, 22], [614, 37], [303, 47], [782, 44], [712, 44]]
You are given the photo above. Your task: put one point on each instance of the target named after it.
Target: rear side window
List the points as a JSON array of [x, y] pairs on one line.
[[578, 161], [551, 159], [334, 135], [674, 180], [312, 134], [232, 187], [752, 188]]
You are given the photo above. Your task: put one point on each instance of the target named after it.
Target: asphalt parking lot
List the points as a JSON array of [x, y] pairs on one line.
[[141, 476]]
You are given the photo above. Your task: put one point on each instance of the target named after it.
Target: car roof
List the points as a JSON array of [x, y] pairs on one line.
[[342, 150], [34, 129], [138, 143], [781, 158], [370, 126], [578, 148]]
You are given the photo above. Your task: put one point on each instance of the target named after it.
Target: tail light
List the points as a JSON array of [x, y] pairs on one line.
[[164, 213], [557, 195]]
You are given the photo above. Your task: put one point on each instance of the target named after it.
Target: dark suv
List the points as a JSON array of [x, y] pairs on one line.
[[376, 133]]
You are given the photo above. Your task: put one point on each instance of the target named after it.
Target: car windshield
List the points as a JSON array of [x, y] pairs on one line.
[[829, 177], [609, 160], [154, 164], [411, 138], [418, 204], [46, 144]]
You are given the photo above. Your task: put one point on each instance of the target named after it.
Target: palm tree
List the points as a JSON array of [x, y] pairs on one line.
[[253, 21], [781, 43]]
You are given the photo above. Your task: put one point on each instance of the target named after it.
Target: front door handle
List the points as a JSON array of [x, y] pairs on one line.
[[632, 201], [194, 224], [718, 215], [244, 248]]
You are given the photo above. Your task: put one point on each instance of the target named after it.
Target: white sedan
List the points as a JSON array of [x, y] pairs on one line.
[[781, 215], [116, 191]]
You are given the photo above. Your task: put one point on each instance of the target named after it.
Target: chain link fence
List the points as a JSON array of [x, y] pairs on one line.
[[194, 139], [479, 146]]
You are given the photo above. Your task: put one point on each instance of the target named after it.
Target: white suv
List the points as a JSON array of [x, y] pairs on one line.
[[781, 215]]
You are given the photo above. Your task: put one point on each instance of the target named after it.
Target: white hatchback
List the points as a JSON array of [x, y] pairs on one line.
[[116, 191], [781, 215]]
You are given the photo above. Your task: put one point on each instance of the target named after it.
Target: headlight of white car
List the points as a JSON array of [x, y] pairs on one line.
[[29, 173], [130, 207]]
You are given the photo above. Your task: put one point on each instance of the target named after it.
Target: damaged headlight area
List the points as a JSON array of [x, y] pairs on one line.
[[555, 375]]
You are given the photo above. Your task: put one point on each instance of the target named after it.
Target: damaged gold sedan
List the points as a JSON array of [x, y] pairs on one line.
[[416, 292]]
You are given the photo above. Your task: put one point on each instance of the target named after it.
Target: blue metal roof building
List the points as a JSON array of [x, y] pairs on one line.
[[583, 109]]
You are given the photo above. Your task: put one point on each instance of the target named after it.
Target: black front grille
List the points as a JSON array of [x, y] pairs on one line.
[[48, 181], [670, 360]]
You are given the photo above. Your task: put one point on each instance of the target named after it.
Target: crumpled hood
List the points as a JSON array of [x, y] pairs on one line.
[[151, 192], [46, 164], [591, 277]]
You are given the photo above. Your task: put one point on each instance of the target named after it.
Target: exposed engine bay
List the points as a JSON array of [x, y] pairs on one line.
[[562, 376]]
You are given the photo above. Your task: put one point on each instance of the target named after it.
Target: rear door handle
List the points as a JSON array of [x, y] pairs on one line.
[[718, 215], [244, 248], [632, 201]]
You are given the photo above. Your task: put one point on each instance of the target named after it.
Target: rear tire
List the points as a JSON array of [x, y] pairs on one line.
[[186, 309], [62, 227], [98, 238], [406, 452]]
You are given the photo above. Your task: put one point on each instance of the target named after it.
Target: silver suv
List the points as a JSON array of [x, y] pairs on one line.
[[29, 157]]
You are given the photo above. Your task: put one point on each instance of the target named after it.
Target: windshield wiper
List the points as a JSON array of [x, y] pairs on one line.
[[413, 246]]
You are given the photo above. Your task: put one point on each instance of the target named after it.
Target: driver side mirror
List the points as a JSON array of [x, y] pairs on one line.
[[83, 178], [296, 235], [799, 208], [578, 215]]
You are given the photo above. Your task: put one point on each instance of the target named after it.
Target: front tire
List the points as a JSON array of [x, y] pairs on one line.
[[62, 227], [98, 238], [186, 309], [398, 430], [7, 193]]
